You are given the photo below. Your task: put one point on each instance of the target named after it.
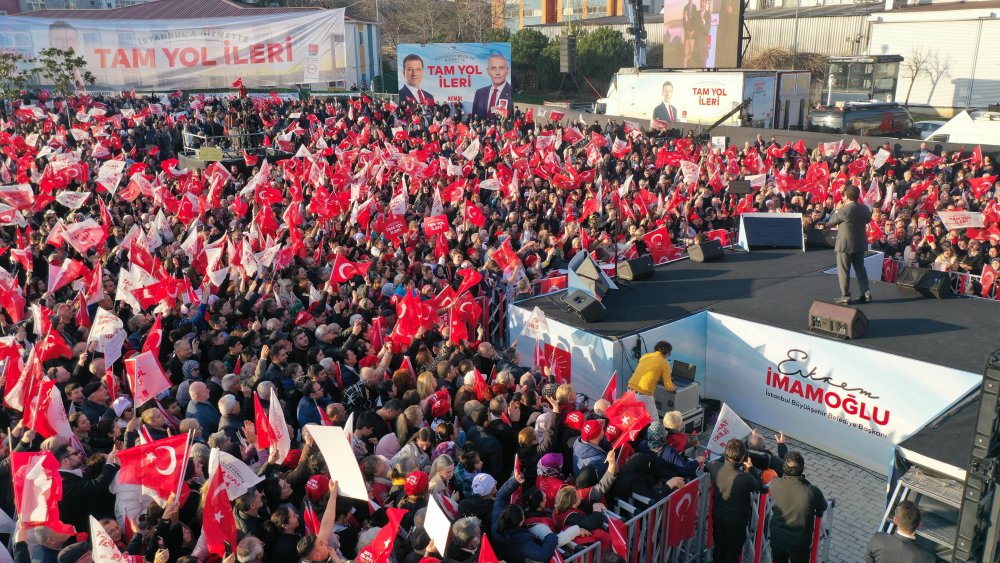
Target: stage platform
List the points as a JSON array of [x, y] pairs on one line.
[[777, 287]]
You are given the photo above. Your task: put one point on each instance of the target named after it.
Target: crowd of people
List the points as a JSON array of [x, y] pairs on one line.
[[330, 278]]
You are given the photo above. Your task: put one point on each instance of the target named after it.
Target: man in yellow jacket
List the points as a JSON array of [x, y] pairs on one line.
[[652, 369]]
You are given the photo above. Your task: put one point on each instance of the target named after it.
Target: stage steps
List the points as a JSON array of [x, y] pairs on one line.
[[937, 497]]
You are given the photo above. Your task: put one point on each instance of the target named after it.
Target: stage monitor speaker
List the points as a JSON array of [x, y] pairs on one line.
[[708, 251], [976, 536], [590, 310], [740, 187], [589, 273], [837, 320], [821, 238], [929, 283], [636, 269]]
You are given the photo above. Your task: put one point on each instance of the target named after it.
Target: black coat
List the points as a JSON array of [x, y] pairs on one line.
[[883, 548], [82, 496], [796, 504], [732, 490]]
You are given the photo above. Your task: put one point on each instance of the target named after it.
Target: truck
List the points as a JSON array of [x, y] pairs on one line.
[[778, 98]]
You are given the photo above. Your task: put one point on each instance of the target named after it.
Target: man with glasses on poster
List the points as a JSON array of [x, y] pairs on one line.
[[498, 94]]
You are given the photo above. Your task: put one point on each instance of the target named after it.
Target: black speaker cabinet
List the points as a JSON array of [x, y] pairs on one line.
[[837, 320], [636, 269], [590, 310], [929, 283], [707, 251], [821, 238]]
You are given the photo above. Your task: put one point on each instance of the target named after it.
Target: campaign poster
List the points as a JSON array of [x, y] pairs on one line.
[[701, 33], [263, 51], [475, 74], [686, 97]]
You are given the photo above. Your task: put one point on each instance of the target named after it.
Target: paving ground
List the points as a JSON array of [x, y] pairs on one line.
[[860, 496]]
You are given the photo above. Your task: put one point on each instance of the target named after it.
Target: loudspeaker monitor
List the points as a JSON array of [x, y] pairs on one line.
[[589, 274], [929, 283], [590, 310], [636, 269], [836, 320], [821, 238], [707, 251], [740, 187]]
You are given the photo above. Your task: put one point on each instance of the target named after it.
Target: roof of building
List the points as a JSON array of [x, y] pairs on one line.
[[948, 6], [171, 10]]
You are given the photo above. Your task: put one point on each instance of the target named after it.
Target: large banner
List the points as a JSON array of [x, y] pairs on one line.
[[264, 51], [476, 74], [850, 401], [696, 97], [701, 33]]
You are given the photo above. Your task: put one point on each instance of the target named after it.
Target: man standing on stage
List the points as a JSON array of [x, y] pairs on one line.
[[851, 244], [652, 369], [900, 547], [797, 503]]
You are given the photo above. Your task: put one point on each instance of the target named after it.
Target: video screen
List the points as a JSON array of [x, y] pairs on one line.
[[701, 33]]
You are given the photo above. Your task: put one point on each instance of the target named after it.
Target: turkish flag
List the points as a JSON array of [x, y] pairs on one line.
[[619, 536], [146, 378], [459, 331], [682, 514], [265, 435], [628, 413], [552, 284], [486, 553], [154, 338], [611, 389], [218, 521], [474, 215], [38, 490], [238, 83], [470, 279], [53, 346], [980, 185], [989, 279], [505, 257], [343, 270], [977, 155], [64, 274], [380, 549], [45, 413], [152, 294], [156, 466]]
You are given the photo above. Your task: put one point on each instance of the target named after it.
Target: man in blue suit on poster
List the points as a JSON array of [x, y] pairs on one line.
[[498, 94], [413, 75]]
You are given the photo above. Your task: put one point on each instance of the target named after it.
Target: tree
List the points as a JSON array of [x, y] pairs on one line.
[[913, 66], [63, 69], [496, 35], [14, 74], [600, 53], [782, 59], [525, 46], [654, 55]]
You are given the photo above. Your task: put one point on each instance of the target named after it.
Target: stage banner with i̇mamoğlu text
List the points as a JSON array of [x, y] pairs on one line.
[[264, 51]]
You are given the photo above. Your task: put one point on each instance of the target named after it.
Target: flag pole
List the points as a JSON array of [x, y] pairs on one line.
[[180, 481]]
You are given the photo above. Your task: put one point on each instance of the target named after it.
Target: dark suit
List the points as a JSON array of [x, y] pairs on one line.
[[481, 101], [405, 94], [851, 244], [83, 497], [883, 548], [731, 493], [665, 112], [796, 504]]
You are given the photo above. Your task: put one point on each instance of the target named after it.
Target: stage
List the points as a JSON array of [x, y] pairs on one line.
[[739, 319], [777, 287]]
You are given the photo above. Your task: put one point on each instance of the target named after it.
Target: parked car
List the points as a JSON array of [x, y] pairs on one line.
[[927, 128], [862, 118]]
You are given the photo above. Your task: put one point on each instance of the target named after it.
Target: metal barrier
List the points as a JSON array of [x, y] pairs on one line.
[[961, 282], [590, 553], [757, 548], [648, 527]]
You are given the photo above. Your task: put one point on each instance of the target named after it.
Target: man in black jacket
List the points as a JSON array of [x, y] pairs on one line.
[[900, 547], [82, 496], [797, 503], [734, 480]]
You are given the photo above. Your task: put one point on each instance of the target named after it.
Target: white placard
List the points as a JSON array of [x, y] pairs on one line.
[[339, 456], [728, 426], [437, 524]]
